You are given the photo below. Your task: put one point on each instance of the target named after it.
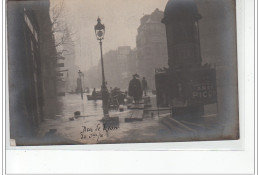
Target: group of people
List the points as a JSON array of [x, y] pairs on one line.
[[136, 88]]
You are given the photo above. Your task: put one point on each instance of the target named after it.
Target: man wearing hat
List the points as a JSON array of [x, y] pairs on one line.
[[135, 88]]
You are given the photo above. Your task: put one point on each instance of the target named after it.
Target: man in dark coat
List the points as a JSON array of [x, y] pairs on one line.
[[144, 85], [135, 89]]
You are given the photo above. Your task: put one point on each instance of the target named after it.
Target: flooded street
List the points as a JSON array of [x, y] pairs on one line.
[[88, 128], [128, 81], [73, 102]]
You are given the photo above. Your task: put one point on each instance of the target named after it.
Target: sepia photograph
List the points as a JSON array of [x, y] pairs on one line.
[[121, 71]]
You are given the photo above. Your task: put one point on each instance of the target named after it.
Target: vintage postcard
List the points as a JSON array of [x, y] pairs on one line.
[[121, 71]]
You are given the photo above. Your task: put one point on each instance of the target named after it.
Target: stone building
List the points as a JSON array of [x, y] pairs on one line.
[[151, 46], [31, 66], [48, 54]]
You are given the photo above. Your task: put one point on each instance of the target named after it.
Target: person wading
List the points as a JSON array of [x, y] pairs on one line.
[[135, 89]]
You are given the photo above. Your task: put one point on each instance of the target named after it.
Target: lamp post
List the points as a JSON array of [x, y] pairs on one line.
[[81, 83], [100, 32]]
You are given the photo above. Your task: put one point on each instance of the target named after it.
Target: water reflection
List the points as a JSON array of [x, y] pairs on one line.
[[73, 102], [95, 104]]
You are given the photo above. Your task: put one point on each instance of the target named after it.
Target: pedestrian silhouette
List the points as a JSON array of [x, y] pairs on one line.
[[94, 93], [135, 88]]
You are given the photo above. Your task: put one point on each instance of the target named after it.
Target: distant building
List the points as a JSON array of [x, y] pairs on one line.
[[132, 63], [150, 53], [112, 68], [151, 46], [122, 54], [119, 66], [48, 52], [93, 77], [69, 55], [31, 66], [62, 74], [67, 71]]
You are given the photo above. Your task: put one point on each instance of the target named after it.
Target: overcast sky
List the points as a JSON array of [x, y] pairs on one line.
[[121, 18]]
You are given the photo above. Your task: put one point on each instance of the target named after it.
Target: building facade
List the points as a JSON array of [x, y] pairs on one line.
[[119, 66], [151, 46], [31, 66]]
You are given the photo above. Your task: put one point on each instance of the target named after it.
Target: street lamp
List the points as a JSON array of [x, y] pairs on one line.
[[100, 32], [80, 73], [81, 83]]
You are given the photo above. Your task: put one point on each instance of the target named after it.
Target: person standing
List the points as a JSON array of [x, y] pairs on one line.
[[94, 93], [135, 88], [144, 86]]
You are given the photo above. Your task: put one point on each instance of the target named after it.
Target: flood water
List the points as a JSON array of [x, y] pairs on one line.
[[89, 129], [73, 102]]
